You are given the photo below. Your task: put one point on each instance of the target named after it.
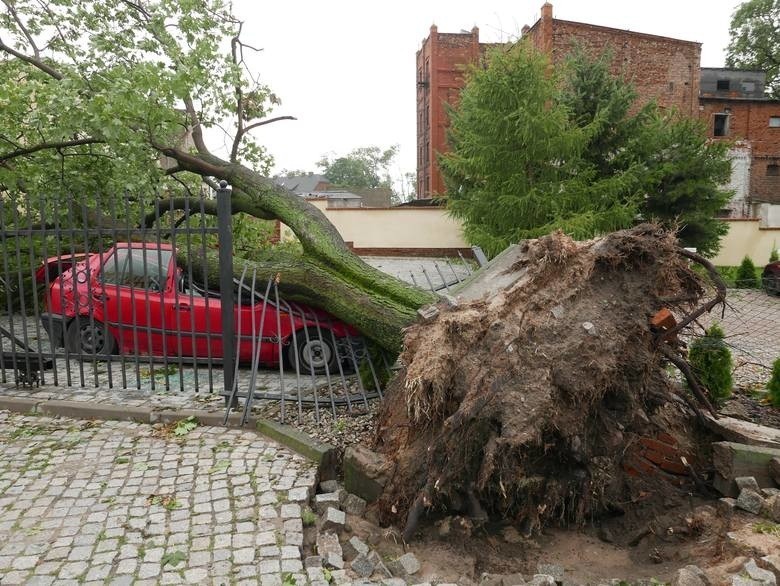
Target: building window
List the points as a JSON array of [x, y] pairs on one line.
[[774, 122], [773, 170], [723, 85], [721, 127]]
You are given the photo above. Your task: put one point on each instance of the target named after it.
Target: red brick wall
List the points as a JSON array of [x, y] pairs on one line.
[[660, 68], [441, 64], [749, 121]]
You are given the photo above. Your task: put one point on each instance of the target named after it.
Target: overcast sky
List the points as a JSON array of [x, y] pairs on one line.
[[346, 68]]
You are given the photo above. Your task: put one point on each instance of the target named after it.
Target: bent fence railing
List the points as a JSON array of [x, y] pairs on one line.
[[121, 293], [144, 294]]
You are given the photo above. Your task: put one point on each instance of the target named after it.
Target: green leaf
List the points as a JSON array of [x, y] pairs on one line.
[[173, 558]]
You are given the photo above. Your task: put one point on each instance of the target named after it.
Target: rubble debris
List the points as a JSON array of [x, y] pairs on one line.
[[354, 547], [354, 505], [774, 469], [554, 570], [327, 486], [329, 550], [362, 566], [465, 422], [750, 501], [404, 566], [771, 563], [325, 500], [758, 574], [333, 520], [733, 460], [365, 472], [690, 576]]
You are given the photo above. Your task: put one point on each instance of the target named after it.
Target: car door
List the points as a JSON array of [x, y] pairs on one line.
[[133, 284]]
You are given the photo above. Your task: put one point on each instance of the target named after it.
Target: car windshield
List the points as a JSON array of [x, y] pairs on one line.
[[145, 268]]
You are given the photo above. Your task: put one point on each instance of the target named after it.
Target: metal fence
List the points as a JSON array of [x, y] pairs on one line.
[[751, 325], [143, 294]]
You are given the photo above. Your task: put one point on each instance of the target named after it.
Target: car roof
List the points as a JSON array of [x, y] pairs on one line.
[[152, 245]]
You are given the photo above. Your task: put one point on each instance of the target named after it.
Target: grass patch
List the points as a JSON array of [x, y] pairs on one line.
[[767, 528], [308, 517]]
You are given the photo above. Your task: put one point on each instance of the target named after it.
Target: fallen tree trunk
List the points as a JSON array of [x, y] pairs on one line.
[[524, 404]]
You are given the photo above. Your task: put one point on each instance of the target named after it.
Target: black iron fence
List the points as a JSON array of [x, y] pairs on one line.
[[132, 293]]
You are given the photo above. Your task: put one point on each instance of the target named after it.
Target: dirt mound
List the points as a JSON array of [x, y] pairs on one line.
[[523, 405]]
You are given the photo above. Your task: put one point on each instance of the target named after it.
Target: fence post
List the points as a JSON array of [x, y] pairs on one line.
[[225, 235]]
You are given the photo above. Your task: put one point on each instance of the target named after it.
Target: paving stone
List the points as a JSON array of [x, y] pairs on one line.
[[354, 505], [362, 566], [354, 547], [333, 520], [325, 500], [750, 501], [759, 574], [554, 570], [291, 511], [329, 549], [690, 576], [298, 494], [327, 486]]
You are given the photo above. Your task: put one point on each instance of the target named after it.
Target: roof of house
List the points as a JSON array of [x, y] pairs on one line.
[[301, 183]]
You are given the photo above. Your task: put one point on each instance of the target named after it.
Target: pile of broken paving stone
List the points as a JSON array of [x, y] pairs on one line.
[[343, 561]]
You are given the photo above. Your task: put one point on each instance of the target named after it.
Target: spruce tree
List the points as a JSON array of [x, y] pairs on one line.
[[746, 275], [774, 385], [535, 149], [710, 359]]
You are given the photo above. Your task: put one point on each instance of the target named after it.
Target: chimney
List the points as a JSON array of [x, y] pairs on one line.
[[524, 30], [546, 29]]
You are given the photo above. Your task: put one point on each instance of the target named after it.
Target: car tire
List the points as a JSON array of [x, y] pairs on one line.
[[312, 352], [89, 337]]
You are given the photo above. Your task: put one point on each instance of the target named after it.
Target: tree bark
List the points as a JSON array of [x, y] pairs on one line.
[[327, 275]]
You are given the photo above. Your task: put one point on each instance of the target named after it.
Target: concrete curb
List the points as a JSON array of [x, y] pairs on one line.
[[323, 454], [18, 404]]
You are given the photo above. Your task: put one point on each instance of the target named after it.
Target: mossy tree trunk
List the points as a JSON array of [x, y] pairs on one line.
[[327, 275]]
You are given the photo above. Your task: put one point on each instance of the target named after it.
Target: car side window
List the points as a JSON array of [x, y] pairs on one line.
[[137, 267]]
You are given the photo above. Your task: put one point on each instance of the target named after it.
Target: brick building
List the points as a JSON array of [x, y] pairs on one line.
[[731, 103], [661, 68]]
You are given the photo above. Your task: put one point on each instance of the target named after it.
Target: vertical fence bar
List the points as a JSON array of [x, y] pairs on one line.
[[225, 230]]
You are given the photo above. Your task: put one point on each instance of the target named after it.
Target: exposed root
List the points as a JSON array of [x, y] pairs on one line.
[[525, 403]]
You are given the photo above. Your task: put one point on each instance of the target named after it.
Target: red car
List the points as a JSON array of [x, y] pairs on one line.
[[133, 299]]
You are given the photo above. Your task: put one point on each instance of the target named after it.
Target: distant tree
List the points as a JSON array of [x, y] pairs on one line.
[[531, 152], [755, 40], [362, 167]]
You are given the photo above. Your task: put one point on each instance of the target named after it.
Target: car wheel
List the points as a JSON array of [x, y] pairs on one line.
[[89, 336], [314, 353]]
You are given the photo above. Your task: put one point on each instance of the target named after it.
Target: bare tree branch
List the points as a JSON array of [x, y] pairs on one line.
[[197, 129], [234, 47], [38, 63], [23, 28], [48, 145], [268, 121]]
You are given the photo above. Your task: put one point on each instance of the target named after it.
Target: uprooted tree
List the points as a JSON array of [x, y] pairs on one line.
[[499, 406], [89, 109]]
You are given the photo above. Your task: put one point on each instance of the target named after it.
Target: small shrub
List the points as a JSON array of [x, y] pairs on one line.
[[710, 359], [774, 256], [774, 385], [746, 275]]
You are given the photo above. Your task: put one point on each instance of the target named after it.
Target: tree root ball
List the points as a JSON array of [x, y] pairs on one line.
[[523, 405]]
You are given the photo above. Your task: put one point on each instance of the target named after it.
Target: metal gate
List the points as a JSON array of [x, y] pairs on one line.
[[142, 293]]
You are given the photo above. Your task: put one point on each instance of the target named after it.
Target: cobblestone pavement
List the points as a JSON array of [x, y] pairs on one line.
[[125, 503], [751, 323]]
